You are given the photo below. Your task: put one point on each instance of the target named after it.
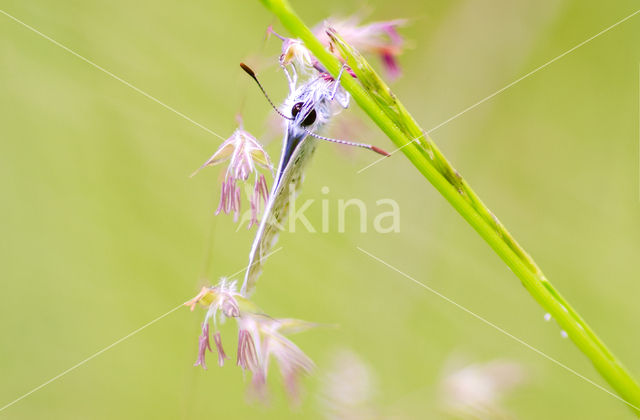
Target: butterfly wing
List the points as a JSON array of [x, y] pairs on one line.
[[296, 153]]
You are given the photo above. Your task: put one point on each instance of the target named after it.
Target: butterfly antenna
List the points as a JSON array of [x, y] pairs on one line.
[[349, 143], [251, 73]]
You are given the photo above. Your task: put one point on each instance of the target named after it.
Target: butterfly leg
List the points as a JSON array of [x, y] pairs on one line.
[[337, 82], [343, 100], [292, 80]]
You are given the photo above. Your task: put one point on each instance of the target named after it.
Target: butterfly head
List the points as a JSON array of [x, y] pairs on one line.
[[310, 108], [311, 105]]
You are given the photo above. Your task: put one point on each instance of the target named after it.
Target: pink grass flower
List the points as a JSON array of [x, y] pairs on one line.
[[245, 155], [261, 339], [247, 354], [203, 346], [222, 303], [221, 297], [258, 199], [379, 38], [221, 354], [292, 362]]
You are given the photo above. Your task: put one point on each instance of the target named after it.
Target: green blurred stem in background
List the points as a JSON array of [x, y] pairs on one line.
[[377, 100]]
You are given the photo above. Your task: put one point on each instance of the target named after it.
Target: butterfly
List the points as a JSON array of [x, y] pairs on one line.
[[309, 107]]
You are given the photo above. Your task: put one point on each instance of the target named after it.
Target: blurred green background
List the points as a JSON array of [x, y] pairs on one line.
[[103, 230]]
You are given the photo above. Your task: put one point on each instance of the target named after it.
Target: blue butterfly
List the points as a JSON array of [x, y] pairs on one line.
[[309, 107]]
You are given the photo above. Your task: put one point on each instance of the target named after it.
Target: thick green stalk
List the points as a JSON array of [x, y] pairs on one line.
[[377, 100]]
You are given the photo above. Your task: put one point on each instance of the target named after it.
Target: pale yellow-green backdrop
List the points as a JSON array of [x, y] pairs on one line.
[[102, 230]]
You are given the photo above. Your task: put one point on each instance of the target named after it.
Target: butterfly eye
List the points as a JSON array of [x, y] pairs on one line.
[[309, 119], [296, 109]]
